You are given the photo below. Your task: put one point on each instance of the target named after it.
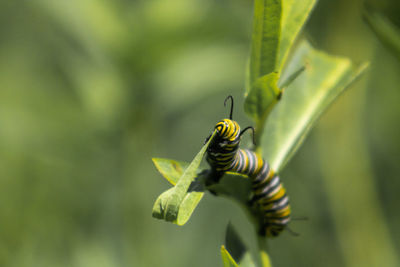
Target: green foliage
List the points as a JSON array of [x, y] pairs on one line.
[[262, 97], [91, 90], [324, 79], [237, 248], [313, 81], [227, 259], [172, 170], [386, 31], [234, 186], [265, 39], [265, 259], [177, 203], [275, 27], [291, 78], [294, 15]]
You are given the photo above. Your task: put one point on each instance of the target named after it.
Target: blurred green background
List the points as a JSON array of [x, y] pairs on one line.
[[91, 90]]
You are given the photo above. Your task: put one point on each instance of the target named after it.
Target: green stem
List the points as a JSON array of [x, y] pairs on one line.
[[260, 124]]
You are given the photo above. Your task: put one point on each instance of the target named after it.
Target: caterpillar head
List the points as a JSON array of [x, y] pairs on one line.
[[228, 129]]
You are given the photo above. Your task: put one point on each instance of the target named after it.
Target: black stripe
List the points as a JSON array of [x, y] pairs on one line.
[[262, 175], [274, 179], [224, 129], [277, 208], [241, 162]]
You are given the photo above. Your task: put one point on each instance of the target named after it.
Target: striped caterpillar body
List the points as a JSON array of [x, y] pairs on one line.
[[269, 195]]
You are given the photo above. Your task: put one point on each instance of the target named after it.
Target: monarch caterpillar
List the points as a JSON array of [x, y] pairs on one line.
[[269, 195]]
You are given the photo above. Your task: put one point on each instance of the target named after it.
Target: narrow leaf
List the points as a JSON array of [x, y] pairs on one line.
[[247, 260], [227, 259], [275, 28], [237, 248], [291, 78], [385, 30], [171, 169], [325, 78], [234, 243], [259, 102], [168, 203], [294, 16], [265, 39], [190, 202], [262, 97], [266, 262]]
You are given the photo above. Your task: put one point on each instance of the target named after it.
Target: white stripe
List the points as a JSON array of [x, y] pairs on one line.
[[251, 161], [239, 158], [283, 202], [256, 161], [258, 177], [273, 183], [275, 191], [241, 162]]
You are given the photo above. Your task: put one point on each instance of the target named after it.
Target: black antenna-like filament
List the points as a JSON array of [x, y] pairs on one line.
[[247, 128], [229, 97], [299, 219], [293, 233]]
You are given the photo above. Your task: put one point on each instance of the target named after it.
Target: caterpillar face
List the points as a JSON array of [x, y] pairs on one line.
[[228, 129]]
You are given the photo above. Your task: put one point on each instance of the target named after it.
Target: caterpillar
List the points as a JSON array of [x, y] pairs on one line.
[[269, 195]]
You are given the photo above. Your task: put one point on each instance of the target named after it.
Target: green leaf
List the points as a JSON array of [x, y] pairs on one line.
[[275, 27], [294, 15], [260, 101], [171, 169], [235, 186], [233, 243], [266, 262], [324, 79], [291, 78], [262, 96], [386, 31], [237, 248], [262, 248], [227, 259], [168, 204], [265, 39], [190, 202], [247, 260]]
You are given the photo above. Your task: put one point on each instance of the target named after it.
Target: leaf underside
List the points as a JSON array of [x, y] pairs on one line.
[[307, 97], [178, 203]]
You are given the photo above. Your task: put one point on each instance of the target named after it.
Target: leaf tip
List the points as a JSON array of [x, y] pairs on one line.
[[158, 211]]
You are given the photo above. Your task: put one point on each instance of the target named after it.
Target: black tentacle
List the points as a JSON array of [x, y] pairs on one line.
[[247, 128], [231, 98]]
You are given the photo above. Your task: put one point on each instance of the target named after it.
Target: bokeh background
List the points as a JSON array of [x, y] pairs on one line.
[[91, 90]]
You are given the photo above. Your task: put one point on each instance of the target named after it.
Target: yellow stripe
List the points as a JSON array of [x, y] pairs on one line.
[[237, 129], [284, 212], [279, 194], [230, 145], [224, 158], [231, 129]]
